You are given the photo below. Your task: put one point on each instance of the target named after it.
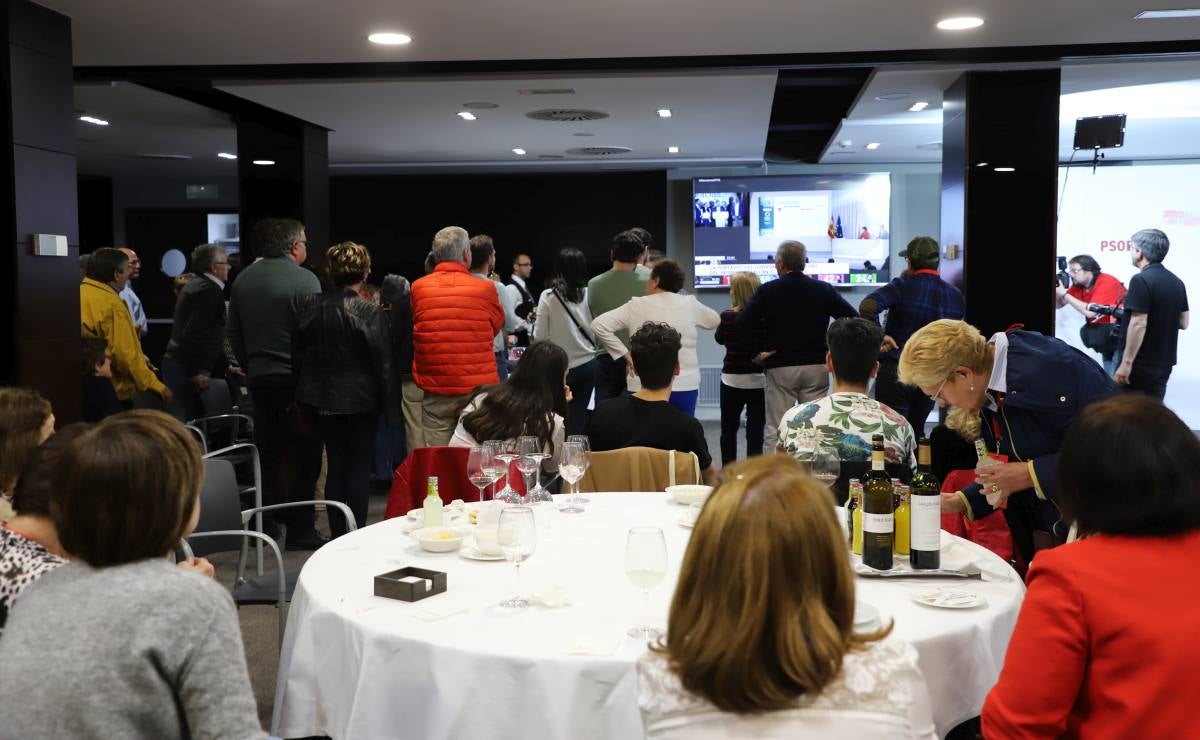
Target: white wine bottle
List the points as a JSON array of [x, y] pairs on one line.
[[878, 521], [925, 541]]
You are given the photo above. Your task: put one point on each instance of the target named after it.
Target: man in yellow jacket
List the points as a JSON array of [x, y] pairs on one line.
[[102, 313]]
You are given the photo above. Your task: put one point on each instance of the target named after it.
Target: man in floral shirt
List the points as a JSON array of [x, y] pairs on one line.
[[845, 420]]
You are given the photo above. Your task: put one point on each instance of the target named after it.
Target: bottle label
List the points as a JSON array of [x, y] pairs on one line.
[[926, 525], [878, 523]]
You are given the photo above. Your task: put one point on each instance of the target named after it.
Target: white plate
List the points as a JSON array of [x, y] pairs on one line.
[[470, 552], [866, 617], [689, 494], [948, 598], [684, 521]]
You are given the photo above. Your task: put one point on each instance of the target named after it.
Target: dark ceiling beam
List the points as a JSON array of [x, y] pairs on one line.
[[1128, 51]]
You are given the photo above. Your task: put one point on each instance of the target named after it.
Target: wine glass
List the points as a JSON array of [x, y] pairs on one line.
[[517, 536], [826, 465], [530, 463], [571, 466], [479, 468], [646, 566], [496, 466], [582, 440]]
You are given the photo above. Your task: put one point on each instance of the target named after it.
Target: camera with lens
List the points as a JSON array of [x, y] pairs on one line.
[[1063, 278], [1117, 312]]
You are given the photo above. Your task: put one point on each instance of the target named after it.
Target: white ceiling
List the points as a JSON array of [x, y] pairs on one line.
[[155, 32], [1160, 98], [413, 124]]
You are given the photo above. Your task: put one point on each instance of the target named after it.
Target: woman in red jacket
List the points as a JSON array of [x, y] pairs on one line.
[[1105, 644]]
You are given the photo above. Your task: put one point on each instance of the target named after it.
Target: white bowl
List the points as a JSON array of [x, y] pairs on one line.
[[487, 541], [439, 539], [689, 494]]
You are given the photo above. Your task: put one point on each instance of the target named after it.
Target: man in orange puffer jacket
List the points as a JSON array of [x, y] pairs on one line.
[[455, 318]]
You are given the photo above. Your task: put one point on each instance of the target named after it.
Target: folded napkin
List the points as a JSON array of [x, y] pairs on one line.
[[554, 597], [598, 644], [438, 607]]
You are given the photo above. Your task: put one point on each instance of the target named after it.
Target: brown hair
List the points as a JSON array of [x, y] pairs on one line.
[[127, 488], [669, 275], [23, 412], [95, 349], [742, 285], [36, 486], [764, 609], [349, 263]]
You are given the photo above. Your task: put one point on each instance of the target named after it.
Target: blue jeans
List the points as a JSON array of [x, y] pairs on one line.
[[685, 401], [582, 380], [502, 364]]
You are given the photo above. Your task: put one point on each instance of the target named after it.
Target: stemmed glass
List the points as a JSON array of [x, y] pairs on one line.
[[530, 463], [582, 440], [645, 565], [571, 466], [496, 468], [826, 465], [517, 536], [479, 468], [508, 453]]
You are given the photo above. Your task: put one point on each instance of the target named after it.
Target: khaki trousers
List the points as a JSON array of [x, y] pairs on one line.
[[439, 417], [787, 386], [410, 406]]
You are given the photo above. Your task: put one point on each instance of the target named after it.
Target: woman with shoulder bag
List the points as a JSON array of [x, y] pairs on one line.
[[563, 318]]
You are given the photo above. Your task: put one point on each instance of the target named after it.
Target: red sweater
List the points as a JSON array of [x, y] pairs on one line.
[[1106, 644], [455, 317]]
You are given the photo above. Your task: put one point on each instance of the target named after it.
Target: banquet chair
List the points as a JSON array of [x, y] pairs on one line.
[[222, 424], [222, 528], [449, 464], [640, 469]]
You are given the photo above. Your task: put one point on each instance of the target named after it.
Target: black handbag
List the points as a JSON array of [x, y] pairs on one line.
[[1103, 338]]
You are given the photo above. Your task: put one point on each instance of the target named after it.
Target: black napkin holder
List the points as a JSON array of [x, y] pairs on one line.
[[390, 586]]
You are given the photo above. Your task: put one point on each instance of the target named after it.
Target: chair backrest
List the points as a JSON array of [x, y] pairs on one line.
[[639, 469], [220, 508], [449, 464], [216, 398]]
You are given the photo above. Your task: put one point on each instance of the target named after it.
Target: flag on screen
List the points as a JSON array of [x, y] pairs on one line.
[[838, 231], [832, 228]]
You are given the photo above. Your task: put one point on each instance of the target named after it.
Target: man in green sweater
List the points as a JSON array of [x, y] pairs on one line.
[[613, 289], [262, 318]]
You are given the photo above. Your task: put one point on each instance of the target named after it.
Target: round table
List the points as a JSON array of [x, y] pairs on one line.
[[455, 665]]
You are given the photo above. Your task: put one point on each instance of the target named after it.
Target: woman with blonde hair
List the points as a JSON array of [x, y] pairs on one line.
[[26, 420], [742, 381], [760, 638], [342, 359], [1019, 392]]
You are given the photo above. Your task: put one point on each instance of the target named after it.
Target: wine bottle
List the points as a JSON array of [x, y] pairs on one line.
[[901, 541], [878, 513], [853, 515], [925, 539]]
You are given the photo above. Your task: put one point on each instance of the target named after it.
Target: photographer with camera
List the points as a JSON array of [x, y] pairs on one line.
[[1090, 287], [1156, 308]]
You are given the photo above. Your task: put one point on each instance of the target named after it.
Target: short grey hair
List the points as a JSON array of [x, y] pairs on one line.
[[274, 237], [450, 243], [1152, 243], [204, 256], [792, 255]]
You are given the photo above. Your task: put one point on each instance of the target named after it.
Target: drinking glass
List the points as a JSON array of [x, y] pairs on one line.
[[645, 565], [508, 453], [571, 466], [496, 466], [826, 465], [479, 468], [532, 454], [517, 536], [582, 440]]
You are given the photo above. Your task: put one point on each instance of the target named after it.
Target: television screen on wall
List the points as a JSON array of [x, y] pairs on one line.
[[842, 219]]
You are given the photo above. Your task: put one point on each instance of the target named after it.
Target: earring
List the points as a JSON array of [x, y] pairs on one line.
[[972, 386]]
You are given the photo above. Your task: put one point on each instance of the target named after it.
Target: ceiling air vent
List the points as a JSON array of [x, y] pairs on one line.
[[599, 151], [546, 91], [163, 157], [550, 156], [933, 146], [566, 115]]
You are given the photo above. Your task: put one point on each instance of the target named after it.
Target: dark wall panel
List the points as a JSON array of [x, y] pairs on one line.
[[396, 217]]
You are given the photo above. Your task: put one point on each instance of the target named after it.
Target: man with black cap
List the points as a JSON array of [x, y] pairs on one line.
[[919, 296]]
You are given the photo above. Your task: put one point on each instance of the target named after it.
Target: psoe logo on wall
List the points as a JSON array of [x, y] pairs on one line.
[[1123, 245], [1181, 218]]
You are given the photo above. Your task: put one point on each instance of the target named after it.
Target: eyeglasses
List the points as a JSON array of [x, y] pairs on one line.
[[524, 264], [218, 264], [1076, 271], [938, 393]]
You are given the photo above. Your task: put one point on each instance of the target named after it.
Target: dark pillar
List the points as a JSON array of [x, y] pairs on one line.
[[296, 186], [40, 329], [1004, 222]]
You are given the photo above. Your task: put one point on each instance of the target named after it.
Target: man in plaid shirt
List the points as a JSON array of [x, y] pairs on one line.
[[919, 296]]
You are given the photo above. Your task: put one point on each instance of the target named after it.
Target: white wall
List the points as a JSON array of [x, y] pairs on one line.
[[916, 211]]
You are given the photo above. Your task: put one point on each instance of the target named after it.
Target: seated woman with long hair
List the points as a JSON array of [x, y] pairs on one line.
[[26, 420], [1105, 642], [532, 402], [760, 636], [119, 642]]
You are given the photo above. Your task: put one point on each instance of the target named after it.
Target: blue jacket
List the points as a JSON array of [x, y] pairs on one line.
[[1049, 383]]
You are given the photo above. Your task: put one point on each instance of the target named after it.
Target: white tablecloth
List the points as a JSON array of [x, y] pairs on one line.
[[358, 666]]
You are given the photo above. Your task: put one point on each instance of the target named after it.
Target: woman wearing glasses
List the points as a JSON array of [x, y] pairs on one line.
[[1018, 391]]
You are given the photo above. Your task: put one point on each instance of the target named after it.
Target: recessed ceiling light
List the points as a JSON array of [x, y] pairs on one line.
[[893, 96], [264, 162], [389, 38], [1005, 169], [846, 143], [982, 164], [519, 151], [672, 150], [664, 112], [873, 145], [93, 120], [226, 155], [1146, 15], [918, 106], [466, 115], [959, 24]]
